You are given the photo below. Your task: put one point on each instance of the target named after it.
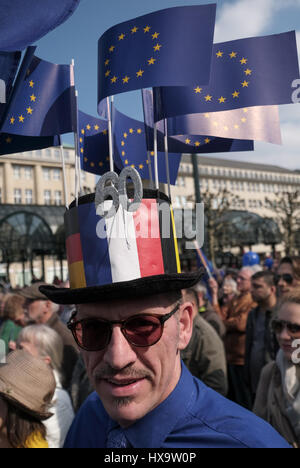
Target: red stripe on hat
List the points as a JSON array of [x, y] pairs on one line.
[[146, 223], [74, 249]]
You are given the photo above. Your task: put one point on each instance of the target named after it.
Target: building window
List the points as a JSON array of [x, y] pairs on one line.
[[28, 197], [17, 172], [28, 172], [47, 197], [57, 197], [46, 173], [57, 154], [56, 174], [48, 153], [18, 196]]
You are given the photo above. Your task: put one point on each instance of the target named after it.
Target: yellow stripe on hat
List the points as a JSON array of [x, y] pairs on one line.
[[77, 275], [175, 241]]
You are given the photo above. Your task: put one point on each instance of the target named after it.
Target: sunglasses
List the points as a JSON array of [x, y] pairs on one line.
[[279, 325], [285, 277], [139, 330]]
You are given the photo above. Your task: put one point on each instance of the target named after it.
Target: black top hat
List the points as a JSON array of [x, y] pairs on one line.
[[131, 254]]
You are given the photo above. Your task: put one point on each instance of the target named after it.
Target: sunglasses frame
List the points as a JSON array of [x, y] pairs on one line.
[[279, 277], [72, 324], [286, 324]]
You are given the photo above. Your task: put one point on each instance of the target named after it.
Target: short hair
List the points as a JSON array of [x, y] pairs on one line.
[[12, 305], [231, 282], [267, 276], [192, 294], [249, 269], [294, 261], [47, 341], [200, 288]]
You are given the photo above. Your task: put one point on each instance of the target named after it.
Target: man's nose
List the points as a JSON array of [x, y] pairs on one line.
[[119, 353]]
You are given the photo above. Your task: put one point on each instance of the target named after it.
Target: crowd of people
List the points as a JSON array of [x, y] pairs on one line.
[[246, 333]]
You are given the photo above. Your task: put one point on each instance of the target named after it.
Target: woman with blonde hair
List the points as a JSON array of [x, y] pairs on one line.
[[44, 342], [278, 394]]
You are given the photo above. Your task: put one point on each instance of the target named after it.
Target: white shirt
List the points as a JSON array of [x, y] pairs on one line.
[[63, 414]]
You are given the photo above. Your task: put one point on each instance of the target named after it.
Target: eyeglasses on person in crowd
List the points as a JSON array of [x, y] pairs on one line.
[[288, 278], [279, 325], [143, 330]]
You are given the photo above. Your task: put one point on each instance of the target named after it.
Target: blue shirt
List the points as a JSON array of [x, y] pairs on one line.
[[193, 416]]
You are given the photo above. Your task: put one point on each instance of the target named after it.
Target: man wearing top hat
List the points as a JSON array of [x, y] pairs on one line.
[[131, 324]]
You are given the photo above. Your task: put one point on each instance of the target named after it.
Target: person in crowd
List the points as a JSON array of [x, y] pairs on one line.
[[229, 290], [278, 394], [13, 319], [42, 341], [131, 327], [41, 311], [288, 275], [207, 311], [205, 355], [235, 316], [260, 342], [81, 386], [27, 386]]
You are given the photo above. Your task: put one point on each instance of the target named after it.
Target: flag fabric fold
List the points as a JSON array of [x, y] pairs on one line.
[[10, 144], [256, 71], [249, 123], [44, 104], [23, 22], [170, 47]]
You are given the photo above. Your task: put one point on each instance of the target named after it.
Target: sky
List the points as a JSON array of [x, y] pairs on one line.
[[78, 38]]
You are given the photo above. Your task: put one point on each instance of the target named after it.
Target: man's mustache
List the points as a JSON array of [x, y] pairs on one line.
[[107, 372]]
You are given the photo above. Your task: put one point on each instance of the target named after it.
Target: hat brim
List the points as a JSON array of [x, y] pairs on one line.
[[147, 286], [40, 416]]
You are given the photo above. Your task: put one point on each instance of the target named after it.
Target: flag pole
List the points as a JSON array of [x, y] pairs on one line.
[[167, 157], [109, 101], [148, 141], [155, 158], [64, 171], [199, 252]]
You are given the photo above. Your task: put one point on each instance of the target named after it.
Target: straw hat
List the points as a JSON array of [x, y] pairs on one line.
[[28, 383]]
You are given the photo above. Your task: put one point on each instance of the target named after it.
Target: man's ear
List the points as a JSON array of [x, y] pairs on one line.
[[186, 324]]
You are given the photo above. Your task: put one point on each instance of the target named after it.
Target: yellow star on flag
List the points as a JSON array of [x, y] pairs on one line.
[[106, 63], [248, 72], [151, 61], [100, 163], [125, 135], [126, 161], [139, 131], [12, 120], [233, 54], [188, 141], [207, 140], [112, 48], [208, 98], [31, 84], [222, 99], [131, 130], [8, 140], [197, 143], [104, 132], [157, 47], [96, 127], [122, 143], [219, 54], [155, 35], [121, 37], [107, 73], [140, 73], [245, 84], [244, 61], [21, 118], [114, 79], [126, 79], [243, 119], [29, 110], [32, 98], [198, 90], [236, 94], [134, 30], [147, 29], [141, 166]]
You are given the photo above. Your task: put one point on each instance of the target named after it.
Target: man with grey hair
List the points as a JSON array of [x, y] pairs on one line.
[[235, 316], [40, 310]]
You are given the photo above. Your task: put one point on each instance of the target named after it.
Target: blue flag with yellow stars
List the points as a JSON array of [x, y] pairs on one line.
[[130, 148], [23, 22], [169, 47], [93, 144], [10, 144], [44, 104], [197, 144], [9, 62], [258, 71]]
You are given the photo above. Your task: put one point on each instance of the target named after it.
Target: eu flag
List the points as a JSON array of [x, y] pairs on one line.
[[130, 148], [10, 144], [198, 144], [93, 144], [23, 22], [45, 103], [9, 62], [255, 123], [257, 71], [169, 47]]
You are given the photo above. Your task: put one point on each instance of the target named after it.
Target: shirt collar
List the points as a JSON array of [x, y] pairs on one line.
[[154, 427]]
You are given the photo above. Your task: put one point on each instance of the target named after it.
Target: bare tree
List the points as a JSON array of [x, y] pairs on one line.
[[286, 209], [216, 204]]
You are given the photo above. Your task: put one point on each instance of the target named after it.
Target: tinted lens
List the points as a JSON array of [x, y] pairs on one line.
[[143, 330], [285, 277], [293, 328], [278, 326], [92, 335]]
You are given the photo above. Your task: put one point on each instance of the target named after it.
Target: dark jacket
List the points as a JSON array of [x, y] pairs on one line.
[[211, 316], [71, 351], [205, 356]]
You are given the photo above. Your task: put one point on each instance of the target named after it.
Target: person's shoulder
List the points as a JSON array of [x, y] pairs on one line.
[[230, 425], [88, 427]]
